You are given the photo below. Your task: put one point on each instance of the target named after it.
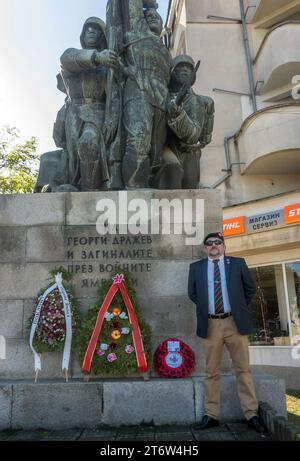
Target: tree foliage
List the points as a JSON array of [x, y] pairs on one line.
[[18, 163]]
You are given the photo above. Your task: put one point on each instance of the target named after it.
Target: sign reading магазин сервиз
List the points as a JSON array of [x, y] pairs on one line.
[[262, 222], [265, 221]]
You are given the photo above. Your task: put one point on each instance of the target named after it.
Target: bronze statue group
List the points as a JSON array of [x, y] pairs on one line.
[[131, 119]]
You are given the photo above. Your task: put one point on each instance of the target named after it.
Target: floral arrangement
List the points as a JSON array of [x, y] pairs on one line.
[[115, 351], [50, 334], [174, 359]]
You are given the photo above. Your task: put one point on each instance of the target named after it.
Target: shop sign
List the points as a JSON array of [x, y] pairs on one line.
[[234, 226], [265, 221], [292, 214]]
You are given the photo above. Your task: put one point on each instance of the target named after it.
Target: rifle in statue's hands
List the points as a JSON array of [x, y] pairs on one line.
[[187, 86]]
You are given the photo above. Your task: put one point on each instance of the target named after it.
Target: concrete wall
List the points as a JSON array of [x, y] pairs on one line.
[[35, 232], [291, 376]]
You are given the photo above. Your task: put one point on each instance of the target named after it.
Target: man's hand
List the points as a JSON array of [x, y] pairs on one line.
[[107, 58], [174, 110]]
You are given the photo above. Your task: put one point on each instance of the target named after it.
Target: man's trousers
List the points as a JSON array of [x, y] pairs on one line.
[[224, 332]]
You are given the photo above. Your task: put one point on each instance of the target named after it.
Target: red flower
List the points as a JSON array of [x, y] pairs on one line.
[[113, 346]]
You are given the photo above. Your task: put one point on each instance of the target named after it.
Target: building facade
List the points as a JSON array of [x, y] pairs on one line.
[[250, 66]]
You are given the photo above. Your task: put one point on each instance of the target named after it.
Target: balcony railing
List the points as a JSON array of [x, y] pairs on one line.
[[269, 141], [278, 58], [271, 12]]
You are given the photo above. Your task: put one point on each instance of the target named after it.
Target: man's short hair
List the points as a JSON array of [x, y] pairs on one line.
[[218, 235]]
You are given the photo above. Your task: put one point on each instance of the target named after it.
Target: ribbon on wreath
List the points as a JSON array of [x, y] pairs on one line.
[[118, 284], [68, 320]]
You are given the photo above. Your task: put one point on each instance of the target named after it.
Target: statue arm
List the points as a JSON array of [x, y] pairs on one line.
[[73, 61], [196, 124], [186, 129]]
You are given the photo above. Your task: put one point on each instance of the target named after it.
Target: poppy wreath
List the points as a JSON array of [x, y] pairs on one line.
[[174, 359]]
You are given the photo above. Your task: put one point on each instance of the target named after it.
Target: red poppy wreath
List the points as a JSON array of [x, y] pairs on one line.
[[174, 359]]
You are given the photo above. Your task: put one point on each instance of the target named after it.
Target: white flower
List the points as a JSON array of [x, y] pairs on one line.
[[108, 316], [123, 316]]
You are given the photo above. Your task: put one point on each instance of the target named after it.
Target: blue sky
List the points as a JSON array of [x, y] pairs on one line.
[[33, 35]]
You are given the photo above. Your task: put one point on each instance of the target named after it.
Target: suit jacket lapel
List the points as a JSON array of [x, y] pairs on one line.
[[205, 278]]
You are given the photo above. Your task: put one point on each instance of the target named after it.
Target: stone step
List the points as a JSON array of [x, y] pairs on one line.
[[78, 404]]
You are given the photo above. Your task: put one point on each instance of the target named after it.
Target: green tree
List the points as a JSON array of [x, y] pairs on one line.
[[18, 163]]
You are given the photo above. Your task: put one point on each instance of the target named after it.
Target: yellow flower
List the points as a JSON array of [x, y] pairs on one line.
[[116, 334]]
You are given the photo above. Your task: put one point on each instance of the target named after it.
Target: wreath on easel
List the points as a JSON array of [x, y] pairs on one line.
[[54, 321], [115, 340]]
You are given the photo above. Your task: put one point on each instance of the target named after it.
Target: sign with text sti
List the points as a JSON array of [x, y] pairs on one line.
[[265, 221], [292, 214], [234, 226]]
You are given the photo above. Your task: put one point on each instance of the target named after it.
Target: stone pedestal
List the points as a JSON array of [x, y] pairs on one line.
[[57, 405], [41, 232]]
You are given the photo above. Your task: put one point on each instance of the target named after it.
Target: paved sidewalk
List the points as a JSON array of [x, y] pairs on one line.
[[225, 432]]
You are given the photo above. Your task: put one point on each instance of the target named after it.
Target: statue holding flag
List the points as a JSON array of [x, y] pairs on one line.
[[147, 68], [123, 110], [84, 75]]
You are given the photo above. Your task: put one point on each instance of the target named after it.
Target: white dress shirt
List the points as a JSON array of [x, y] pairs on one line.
[[211, 291]]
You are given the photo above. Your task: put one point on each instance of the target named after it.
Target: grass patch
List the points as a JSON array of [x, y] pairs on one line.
[[293, 406]]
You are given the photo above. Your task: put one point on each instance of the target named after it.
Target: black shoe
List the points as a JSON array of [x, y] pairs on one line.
[[206, 423], [254, 424]]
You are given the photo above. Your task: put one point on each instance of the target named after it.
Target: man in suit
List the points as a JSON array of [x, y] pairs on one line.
[[222, 287]]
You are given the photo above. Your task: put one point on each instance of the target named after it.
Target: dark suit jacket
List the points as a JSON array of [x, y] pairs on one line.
[[241, 289]]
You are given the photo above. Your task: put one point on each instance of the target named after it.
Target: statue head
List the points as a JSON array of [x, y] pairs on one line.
[[154, 21], [93, 34], [182, 70], [150, 4]]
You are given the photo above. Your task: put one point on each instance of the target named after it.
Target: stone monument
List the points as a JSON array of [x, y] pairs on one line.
[[131, 119], [129, 141]]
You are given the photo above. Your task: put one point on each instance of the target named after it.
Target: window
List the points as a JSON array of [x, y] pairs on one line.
[[268, 308], [293, 290]]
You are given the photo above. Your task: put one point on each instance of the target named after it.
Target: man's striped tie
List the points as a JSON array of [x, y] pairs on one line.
[[219, 305]]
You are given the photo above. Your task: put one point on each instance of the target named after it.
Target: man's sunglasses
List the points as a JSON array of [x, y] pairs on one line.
[[210, 243]]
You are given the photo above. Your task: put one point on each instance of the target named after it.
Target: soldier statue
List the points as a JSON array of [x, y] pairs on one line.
[[190, 127], [148, 67], [84, 73], [131, 118]]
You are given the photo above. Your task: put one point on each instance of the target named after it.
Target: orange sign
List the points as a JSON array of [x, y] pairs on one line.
[[234, 226], [292, 214]]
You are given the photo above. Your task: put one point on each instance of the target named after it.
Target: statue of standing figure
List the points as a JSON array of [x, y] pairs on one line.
[[190, 127], [84, 73], [148, 67], [131, 119], [81, 129]]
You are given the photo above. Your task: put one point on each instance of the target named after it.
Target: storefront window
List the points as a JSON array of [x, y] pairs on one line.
[[268, 308], [293, 288]]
